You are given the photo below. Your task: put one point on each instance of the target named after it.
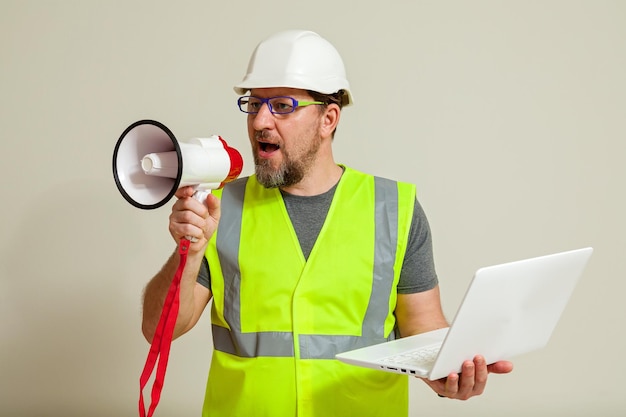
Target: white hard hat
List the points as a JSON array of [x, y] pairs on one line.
[[296, 59]]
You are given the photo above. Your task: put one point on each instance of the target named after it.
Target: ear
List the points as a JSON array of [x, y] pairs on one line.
[[330, 120]]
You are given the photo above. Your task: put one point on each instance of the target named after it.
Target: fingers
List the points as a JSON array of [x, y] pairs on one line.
[[187, 220], [473, 378], [193, 219], [184, 192], [470, 382], [451, 386], [461, 386]]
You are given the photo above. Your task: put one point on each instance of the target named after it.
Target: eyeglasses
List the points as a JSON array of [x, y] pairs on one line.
[[276, 105]]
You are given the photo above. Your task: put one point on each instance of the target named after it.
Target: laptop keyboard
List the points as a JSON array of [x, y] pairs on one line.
[[420, 357]]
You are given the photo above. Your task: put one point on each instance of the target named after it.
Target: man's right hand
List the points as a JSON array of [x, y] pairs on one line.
[[191, 218]]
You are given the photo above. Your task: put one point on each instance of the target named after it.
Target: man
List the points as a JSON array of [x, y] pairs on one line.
[[310, 258]]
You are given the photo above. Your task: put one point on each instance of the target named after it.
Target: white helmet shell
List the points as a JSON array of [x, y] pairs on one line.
[[296, 59]]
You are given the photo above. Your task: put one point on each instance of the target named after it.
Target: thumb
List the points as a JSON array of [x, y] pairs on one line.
[[500, 367], [214, 205]]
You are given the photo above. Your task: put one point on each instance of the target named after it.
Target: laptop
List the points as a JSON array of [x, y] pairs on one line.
[[508, 309]]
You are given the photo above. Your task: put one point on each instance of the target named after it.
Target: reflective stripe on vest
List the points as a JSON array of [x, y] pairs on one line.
[[280, 344]]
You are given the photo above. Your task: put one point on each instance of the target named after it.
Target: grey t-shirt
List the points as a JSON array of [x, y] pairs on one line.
[[308, 213]]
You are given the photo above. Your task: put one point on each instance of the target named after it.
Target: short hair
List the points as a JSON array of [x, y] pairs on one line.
[[337, 98]]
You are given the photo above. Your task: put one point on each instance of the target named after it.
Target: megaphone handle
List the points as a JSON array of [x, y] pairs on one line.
[[201, 196]]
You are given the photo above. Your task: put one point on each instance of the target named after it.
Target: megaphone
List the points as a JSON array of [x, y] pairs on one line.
[[149, 164]]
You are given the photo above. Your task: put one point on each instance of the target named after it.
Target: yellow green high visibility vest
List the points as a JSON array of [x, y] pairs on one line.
[[278, 320]]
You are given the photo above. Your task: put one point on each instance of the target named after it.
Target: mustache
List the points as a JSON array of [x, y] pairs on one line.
[[262, 134]]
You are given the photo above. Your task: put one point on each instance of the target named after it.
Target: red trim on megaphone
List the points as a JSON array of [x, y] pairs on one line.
[[236, 163]]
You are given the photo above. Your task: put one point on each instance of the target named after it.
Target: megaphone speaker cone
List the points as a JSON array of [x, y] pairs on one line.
[[138, 140]]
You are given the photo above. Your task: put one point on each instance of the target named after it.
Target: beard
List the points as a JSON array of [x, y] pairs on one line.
[[292, 168]]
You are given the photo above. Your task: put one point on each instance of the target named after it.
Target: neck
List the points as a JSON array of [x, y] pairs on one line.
[[318, 181]]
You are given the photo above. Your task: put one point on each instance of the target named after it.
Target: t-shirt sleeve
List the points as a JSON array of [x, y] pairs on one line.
[[204, 276], [418, 269]]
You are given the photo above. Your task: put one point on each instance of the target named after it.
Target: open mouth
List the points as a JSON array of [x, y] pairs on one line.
[[268, 147]]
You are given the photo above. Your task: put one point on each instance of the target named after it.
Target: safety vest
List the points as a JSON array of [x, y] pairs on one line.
[[278, 320]]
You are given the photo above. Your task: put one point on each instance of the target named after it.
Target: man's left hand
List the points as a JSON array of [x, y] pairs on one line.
[[471, 381]]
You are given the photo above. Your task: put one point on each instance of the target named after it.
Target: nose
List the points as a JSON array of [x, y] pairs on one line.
[[264, 119]]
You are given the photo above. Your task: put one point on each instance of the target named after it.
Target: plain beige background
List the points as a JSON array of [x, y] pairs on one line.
[[508, 115]]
